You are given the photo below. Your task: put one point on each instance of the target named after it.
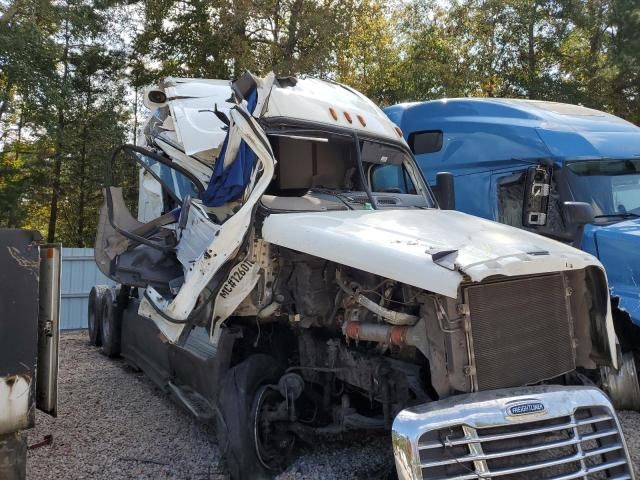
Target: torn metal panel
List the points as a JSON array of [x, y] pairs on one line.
[[225, 244], [618, 248], [191, 103]]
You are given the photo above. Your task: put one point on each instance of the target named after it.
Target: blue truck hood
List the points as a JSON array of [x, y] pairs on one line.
[[618, 248]]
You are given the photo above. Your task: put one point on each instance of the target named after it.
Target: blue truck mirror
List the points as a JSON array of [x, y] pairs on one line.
[[445, 191], [578, 213]]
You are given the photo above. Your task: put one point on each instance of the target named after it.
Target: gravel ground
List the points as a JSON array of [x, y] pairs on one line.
[[113, 423]]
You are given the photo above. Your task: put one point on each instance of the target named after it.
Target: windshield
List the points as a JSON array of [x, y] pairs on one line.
[[354, 172], [612, 187]]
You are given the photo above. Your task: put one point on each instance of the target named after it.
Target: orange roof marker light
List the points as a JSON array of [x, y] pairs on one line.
[[398, 131], [333, 113], [362, 121], [347, 115]]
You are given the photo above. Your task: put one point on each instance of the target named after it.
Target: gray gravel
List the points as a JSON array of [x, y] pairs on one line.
[[113, 423]]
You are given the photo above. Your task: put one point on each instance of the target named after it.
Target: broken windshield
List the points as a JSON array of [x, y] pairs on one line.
[[612, 187]]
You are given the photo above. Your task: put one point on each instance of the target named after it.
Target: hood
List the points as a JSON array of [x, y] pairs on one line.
[[430, 249], [618, 247]]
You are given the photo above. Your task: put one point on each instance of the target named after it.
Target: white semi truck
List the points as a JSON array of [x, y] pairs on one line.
[[271, 285]]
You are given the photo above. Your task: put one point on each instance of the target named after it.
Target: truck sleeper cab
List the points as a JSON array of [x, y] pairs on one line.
[[272, 283], [564, 171]]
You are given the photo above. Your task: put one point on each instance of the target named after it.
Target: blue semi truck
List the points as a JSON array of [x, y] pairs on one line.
[[564, 171]]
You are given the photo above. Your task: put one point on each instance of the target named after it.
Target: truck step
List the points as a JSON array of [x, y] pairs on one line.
[[192, 401]]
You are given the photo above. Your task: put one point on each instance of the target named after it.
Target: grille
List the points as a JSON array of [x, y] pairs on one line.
[[520, 331], [586, 444]]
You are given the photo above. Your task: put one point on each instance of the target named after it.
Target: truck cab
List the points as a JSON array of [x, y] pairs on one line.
[[564, 171], [284, 272]]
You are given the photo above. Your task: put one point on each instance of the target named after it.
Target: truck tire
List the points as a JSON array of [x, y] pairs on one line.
[[94, 314], [235, 422], [111, 324]]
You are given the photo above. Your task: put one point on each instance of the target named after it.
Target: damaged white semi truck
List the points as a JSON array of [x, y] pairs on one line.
[[273, 284]]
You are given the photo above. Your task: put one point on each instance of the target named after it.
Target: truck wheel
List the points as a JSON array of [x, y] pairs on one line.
[[622, 385], [111, 324], [94, 314], [242, 397]]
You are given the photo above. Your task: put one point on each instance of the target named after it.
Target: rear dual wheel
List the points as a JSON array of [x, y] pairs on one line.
[[111, 328], [94, 314]]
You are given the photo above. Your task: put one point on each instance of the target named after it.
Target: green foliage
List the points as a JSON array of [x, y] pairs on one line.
[[69, 68], [62, 91]]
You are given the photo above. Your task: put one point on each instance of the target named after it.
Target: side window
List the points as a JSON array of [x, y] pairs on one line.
[[429, 141], [391, 179], [178, 183], [626, 192]]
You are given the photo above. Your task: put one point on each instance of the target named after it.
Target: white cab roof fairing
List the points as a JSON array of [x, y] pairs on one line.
[[400, 244], [311, 99]]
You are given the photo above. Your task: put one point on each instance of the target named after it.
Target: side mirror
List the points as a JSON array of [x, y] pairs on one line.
[[578, 214], [537, 187], [445, 191]]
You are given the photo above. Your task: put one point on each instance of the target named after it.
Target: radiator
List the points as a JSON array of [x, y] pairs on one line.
[[520, 331]]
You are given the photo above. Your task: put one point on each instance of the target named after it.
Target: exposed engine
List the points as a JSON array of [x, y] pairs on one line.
[[397, 345]]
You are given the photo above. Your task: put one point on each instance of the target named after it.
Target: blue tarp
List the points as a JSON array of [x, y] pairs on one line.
[[227, 185]]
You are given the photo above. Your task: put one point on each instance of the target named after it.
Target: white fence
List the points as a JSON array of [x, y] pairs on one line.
[[79, 274]]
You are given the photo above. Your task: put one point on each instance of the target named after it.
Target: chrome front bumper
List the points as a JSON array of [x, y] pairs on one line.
[[549, 432]]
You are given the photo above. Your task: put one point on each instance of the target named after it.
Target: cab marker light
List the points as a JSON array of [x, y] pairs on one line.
[[362, 121], [333, 113], [347, 115]]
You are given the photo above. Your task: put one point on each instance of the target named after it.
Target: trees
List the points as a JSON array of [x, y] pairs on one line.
[[576, 51], [367, 54], [70, 70], [58, 77], [223, 38]]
